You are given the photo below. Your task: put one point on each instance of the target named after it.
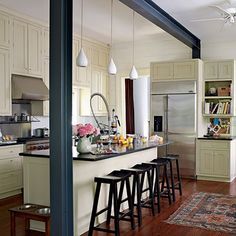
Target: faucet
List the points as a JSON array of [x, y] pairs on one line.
[[108, 112]]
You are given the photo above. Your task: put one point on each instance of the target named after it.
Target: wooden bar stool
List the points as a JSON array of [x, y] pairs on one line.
[[175, 185], [30, 212], [157, 165], [116, 197], [139, 172]]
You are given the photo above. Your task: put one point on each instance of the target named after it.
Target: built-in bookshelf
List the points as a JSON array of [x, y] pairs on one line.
[[218, 97]]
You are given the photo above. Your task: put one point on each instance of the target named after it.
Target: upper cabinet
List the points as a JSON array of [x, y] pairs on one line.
[[5, 88], [218, 69], [182, 70], [46, 42], [100, 56], [27, 48], [81, 75], [4, 30], [99, 85]]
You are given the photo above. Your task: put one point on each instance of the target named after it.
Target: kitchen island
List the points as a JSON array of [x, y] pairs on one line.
[[85, 168]]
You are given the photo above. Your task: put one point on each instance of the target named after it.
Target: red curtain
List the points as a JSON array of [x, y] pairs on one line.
[[129, 103]]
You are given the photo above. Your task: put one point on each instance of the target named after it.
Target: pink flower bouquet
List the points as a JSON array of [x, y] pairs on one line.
[[86, 130]]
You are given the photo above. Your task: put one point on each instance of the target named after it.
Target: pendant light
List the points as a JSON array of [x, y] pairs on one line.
[[112, 67], [81, 59], [133, 73]]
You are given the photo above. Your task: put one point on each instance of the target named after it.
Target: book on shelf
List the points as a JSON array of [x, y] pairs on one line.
[[222, 107]]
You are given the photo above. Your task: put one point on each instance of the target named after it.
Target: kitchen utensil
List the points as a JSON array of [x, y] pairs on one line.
[[41, 132]]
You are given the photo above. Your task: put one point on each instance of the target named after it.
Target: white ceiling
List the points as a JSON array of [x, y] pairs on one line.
[[97, 18], [186, 10]]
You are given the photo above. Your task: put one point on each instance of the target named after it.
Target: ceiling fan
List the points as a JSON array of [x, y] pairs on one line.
[[228, 15]]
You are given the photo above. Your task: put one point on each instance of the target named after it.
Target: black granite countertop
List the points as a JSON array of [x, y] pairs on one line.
[[3, 144], [218, 138], [118, 151], [23, 141]]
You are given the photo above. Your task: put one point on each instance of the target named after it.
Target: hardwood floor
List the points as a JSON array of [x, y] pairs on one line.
[[152, 226]]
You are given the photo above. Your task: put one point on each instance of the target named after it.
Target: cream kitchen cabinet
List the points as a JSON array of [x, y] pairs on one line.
[[46, 42], [81, 75], [11, 174], [219, 69], [99, 56], [4, 30], [5, 81], [179, 70], [27, 48], [46, 81], [215, 160], [100, 81]]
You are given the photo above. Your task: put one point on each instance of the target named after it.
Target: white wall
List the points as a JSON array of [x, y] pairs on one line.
[[219, 50]]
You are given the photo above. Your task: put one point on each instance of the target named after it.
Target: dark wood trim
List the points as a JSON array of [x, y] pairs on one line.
[[152, 12], [61, 166]]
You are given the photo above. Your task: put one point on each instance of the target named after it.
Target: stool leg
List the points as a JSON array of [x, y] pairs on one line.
[[157, 186], [151, 193], [109, 206], [116, 210], [120, 193], [130, 202], [27, 226], [178, 176], [139, 195], [13, 224], [163, 180], [172, 181], [94, 211], [167, 183], [47, 228]]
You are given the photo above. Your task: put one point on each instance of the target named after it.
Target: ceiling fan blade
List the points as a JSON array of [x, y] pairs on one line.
[[208, 19], [221, 10]]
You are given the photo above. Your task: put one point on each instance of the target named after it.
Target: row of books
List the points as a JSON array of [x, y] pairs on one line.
[[222, 107]]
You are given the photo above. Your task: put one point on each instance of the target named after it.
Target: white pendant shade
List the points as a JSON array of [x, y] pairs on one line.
[[112, 68], [133, 73], [82, 60]]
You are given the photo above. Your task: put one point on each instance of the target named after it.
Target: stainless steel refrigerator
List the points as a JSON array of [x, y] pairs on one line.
[[173, 116]]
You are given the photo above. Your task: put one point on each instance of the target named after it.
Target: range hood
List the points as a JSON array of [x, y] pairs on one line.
[[29, 88]]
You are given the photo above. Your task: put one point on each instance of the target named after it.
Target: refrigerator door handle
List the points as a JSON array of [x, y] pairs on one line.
[[181, 134]]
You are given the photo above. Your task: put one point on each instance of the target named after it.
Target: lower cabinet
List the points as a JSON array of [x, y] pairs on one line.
[[11, 175], [215, 160]]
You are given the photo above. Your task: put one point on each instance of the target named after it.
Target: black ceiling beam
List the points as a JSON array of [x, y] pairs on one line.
[[152, 12]]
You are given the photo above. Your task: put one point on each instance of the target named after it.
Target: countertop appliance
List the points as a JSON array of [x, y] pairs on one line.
[[41, 132], [173, 116]]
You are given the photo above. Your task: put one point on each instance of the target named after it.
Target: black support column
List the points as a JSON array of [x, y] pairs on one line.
[[151, 11], [61, 176]]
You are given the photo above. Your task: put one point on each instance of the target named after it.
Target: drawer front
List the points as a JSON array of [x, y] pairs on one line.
[[214, 144], [10, 164], [12, 150], [11, 181]]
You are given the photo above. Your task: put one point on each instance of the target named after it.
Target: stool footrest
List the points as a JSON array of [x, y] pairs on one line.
[[100, 212], [104, 230]]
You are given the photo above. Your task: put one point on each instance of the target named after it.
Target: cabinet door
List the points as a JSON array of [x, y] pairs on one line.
[[5, 81], [225, 70], [35, 50], [46, 81], [4, 30], [20, 45], [205, 165], [210, 70], [99, 57], [84, 76], [46, 43], [99, 85], [11, 181], [163, 71], [184, 70], [221, 163], [75, 68]]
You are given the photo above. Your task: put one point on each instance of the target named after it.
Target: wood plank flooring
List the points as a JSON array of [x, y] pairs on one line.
[[152, 226]]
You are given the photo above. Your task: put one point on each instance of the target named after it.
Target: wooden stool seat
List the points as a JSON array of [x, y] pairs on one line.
[[30, 212]]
